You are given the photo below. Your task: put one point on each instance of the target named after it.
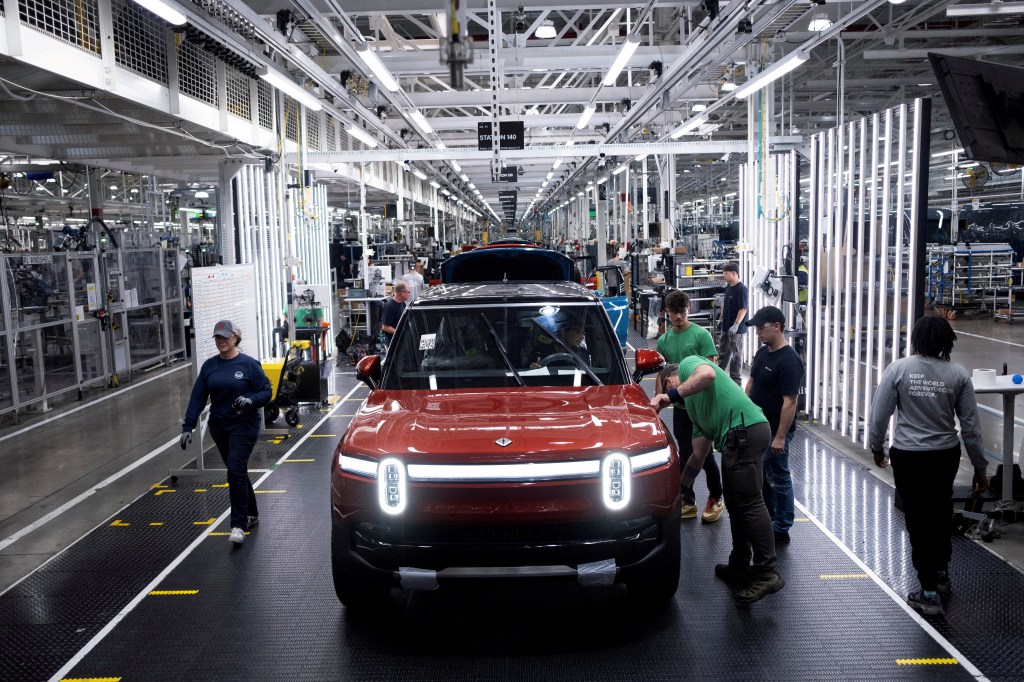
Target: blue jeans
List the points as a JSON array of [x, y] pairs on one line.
[[778, 487], [235, 443]]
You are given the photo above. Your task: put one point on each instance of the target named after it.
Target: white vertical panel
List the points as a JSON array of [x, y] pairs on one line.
[[884, 233], [813, 340], [828, 326], [901, 183], [844, 294], [919, 165], [870, 380], [857, 365]]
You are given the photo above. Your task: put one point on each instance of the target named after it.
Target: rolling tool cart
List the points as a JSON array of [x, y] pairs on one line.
[[285, 375]]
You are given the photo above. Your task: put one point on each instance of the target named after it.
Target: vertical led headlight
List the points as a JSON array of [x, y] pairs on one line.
[[616, 477], [391, 486]]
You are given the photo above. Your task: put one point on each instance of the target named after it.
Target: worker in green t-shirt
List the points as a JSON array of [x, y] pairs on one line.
[[724, 416], [683, 339]]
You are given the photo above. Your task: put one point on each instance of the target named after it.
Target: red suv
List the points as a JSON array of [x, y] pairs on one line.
[[503, 438]]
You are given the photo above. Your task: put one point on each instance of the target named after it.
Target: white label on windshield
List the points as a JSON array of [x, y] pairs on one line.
[[427, 341]]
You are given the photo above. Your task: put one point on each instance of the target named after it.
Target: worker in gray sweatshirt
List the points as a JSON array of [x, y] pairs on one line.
[[926, 390]]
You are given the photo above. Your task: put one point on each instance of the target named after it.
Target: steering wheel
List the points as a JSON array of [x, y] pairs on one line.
[[560, 358]]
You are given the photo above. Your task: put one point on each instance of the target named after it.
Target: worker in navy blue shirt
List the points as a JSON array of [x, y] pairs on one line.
[[237, 387], [776, 375], [734, 322], [393, 310]]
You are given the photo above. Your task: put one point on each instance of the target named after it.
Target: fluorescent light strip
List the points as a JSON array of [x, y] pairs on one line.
[[420, 121], [628, 48], [164, 11], [419, 174], [687, 127], [621, 168], [773, 73], [361, 135], [982, 10], [289, 87], [588, 111], [370, 58]]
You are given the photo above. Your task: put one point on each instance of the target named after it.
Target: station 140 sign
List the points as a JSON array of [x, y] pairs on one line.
[[512, 133]]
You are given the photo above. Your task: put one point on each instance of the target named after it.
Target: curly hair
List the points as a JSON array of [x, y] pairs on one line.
[[677, 301], [932, 337]]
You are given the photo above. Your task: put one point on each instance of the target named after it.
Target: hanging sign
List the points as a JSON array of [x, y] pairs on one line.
[[513, 135], [508, 174]]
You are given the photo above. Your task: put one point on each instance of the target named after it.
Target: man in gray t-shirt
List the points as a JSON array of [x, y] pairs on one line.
[[928, 392]]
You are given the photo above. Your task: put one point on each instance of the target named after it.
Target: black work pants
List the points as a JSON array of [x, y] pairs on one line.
[[924, 481], [752, 536], [235, 442], [682, 429], [729, 357]]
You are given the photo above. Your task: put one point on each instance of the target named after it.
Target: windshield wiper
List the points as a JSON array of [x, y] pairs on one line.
[[580, 362], [501, 350]]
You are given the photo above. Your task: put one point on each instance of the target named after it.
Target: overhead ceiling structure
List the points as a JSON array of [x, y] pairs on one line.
[[614, 79]]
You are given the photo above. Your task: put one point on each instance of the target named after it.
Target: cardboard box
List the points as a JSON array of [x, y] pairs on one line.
[[682, 249]]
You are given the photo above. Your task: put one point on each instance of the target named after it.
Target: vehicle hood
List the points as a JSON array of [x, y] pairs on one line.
[[468, 426]]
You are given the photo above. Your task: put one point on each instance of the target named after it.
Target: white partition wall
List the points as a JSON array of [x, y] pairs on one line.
[[767, 227], [866, 252]]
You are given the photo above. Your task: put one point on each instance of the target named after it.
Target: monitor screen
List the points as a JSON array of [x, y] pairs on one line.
[[986, 102]]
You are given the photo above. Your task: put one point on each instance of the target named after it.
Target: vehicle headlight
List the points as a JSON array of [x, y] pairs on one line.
[[391, 486], [649, 460], [360, 467], [616, 481]]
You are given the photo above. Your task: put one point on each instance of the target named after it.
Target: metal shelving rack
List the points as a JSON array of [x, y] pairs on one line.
[[961, 276]]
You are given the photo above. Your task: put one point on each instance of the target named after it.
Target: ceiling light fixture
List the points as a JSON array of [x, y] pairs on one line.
[[688, 127], [419, 174], [546, 30], [621, 168], [373, 62], [361, 135], [289, 87], [728, 86], [627, 50], [820, 22], [986, 9], [773, 73], [588, 111], [164, 11], [557, 163], [420, 121], [699, 107]]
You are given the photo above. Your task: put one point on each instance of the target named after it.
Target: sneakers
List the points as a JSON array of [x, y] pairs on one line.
[[688, 511], [944, 587], [237, 536], [732, 574], [760, 587], [929, 605], [252, 522], [713, 510]]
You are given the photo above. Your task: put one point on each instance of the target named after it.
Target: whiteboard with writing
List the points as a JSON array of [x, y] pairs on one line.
[[224, 292]]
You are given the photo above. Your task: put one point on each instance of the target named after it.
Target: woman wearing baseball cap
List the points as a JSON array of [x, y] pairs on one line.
[[236, 387]]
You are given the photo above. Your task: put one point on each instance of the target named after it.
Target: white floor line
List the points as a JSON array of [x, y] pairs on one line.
[[91, 403], [989, 338], [11, 539], [108, 628], [925, 625]]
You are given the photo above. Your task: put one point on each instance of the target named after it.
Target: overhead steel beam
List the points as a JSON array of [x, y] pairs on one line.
[[541, 96], [548, 151]]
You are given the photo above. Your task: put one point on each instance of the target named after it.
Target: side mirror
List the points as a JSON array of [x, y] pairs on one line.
[[368, 371], [647, 361]]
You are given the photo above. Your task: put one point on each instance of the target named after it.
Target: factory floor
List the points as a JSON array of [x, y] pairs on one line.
[[109, 568]]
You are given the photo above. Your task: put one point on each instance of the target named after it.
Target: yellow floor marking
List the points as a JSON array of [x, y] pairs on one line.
[[347, 414], [335, 416], [333, 398], [323, 435], [800, 518], [220, 485], [300, 460], [171, 593], [161, 492], [358, 400], [926, 661], [269, 491], [200, 490], [91, 679], [158, 485], [157, 523], [207, 522], [842, 576], [223, 534], [120, 523], [276, 442]]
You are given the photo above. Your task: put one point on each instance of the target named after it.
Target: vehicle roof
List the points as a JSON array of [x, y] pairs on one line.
[[508, 262], [506, 292]]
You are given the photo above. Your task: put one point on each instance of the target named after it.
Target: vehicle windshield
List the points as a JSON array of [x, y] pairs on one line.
[[501, 346]]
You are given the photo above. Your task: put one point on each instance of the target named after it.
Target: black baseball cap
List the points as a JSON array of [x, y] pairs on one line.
[[768, 314]]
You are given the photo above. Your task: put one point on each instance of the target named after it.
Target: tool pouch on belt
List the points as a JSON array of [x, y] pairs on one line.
[[736, 437]]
